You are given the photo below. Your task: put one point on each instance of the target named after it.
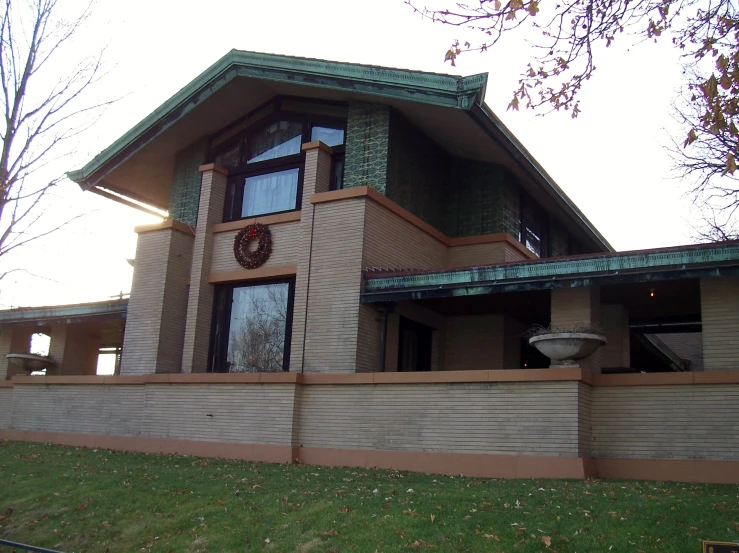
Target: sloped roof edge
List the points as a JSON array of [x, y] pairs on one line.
[[519, 152], [432, 88]]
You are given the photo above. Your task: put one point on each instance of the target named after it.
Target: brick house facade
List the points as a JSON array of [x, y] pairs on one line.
[[414, 241]]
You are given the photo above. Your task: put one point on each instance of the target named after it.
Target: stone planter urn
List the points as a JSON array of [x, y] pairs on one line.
[[30, 362], [565, 349]]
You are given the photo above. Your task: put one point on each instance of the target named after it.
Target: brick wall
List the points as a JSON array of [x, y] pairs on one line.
[[155, 323], [284, 248], [615, 322], [573, 307], [484, 254], [335, 282], [200, 299], [720, 317], [666, 422], [6, 406], [316, 179], [496, 418]]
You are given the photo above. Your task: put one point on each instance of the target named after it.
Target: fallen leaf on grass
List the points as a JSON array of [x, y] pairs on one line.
[[433, 518], [546, 540]]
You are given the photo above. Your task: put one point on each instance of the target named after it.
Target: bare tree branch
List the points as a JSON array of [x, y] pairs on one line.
[[44, 106]]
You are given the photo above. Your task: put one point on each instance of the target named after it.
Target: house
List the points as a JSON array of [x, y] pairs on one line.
[[350, 263]]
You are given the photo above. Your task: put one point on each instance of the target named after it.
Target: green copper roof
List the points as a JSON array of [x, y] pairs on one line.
[[33, 315], [484, 280], [431, 88]]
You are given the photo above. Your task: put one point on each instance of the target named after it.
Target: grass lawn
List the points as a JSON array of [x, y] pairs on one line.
[[102, 501]]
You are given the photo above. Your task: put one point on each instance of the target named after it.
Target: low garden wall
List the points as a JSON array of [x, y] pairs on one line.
[[522, 423]]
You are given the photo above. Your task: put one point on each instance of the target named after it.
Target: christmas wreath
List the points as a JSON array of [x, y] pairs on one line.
[[251, 259]]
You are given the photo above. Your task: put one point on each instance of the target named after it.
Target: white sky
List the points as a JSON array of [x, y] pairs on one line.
[[610, 161]]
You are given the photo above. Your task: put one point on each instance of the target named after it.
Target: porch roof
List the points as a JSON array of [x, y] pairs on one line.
[[682, 262], [64, 314]]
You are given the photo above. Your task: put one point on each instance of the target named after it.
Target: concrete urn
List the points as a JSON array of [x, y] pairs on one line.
[[567, 348], [30, 362]]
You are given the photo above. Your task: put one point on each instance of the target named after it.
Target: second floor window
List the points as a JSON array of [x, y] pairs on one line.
[[266, 161]]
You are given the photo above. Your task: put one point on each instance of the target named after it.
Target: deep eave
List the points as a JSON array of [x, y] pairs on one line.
[[430, 88], [465, 94], [64, 313], [699, 261]]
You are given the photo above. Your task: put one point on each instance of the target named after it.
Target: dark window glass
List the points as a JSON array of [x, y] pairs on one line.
[[230, 158], [270, 193], [258, 328], [337, 172], [330, 137], [533, 228], [280, 139], [414, 348]]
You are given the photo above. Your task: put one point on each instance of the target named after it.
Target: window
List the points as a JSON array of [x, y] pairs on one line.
[[533, 231], [253, 325], [414, 348], [265, 160]]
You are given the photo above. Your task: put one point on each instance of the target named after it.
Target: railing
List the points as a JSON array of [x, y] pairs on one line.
[[23, 547]]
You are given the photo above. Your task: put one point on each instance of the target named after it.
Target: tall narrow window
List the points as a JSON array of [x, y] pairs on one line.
[[414, 347], [253, 326]]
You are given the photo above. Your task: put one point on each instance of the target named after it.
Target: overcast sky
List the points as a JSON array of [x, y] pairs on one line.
[[610, 161]]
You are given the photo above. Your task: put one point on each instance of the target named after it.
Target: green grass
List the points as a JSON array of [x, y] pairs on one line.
[[78, 500]]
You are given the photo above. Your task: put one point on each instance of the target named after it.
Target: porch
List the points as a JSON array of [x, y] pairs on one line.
[[674, 309]]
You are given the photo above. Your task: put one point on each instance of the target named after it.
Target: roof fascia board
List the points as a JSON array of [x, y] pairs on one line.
[[34, 314], [642, 262], [528, 285], [439, 89], [499, 132]]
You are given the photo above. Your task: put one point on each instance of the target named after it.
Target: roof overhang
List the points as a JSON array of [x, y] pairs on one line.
[[684, 262], [64, 314], [137, 169]]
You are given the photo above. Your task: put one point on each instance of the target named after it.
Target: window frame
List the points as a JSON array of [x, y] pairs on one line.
[[540, 216], [234, 188], [221, 322]]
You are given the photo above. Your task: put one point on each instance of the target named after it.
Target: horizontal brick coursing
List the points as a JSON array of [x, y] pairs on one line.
[[284, 248], [6, 403], [525, 419], [720, 318], [666, 422]]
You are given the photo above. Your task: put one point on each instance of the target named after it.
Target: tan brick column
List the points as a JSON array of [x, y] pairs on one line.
[[200, 301], [720, 317], [317, 175], [155, 322], [75, 349], [615, 321], [572, 307]]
